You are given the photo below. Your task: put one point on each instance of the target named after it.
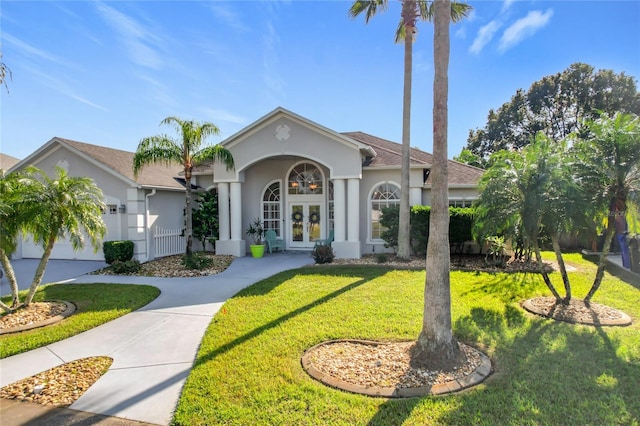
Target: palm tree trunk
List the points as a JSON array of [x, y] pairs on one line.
[[563, 269], [188, 231], [404, 243], [436, 347], [13, 282], [37, 278], [602, 262], [543, 272]]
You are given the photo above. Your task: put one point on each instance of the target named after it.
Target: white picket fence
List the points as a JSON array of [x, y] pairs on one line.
[[168, 242]]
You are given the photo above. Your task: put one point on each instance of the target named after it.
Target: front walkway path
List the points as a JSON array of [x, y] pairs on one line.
[[153, 348]]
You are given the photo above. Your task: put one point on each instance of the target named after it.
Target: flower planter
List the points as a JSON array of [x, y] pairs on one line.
[[257, 250]]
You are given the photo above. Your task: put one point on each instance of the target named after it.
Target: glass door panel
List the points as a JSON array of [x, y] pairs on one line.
[[306, 224]]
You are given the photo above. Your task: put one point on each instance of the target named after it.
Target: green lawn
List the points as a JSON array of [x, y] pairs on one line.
[[248, 368], [95, 303]]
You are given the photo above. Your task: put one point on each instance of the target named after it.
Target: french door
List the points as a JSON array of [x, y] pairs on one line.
[[305, 223]]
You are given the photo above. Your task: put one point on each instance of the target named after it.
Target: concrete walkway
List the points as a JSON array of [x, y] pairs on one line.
[[153, 348]]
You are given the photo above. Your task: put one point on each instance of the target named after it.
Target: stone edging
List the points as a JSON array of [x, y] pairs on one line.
[[71, 308], [477, 377], [623, 321]]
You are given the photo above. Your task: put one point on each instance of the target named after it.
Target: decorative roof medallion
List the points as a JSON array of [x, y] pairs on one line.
[[283, 132]]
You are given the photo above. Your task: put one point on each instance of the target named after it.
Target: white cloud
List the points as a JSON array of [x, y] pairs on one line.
[[228, 16], [29, 50], [523, 28], [63, 88], [218, 115], [135, 36], [484, 36], [506, 5]]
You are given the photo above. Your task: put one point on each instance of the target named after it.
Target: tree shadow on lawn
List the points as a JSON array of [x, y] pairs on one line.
[[265, 286], [507, 287], [545, 372]]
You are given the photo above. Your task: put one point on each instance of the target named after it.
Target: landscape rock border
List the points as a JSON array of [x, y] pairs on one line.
[[547, 310], [476, 377], [70, 310]]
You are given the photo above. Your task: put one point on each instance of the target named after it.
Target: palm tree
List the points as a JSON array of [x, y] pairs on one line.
[[526, 191], [186, 151], [4, 73], [61, 207], [608, 168], [412, 10], [12, 190], [437, 348]]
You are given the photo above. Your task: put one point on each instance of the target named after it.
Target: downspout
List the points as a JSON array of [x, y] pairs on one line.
[[147, 219]]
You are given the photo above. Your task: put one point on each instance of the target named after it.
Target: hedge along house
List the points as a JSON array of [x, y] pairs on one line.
[[306, 181], [136, 207]]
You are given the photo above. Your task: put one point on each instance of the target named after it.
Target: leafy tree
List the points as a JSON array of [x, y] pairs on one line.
[[607, 166], [4, 73], [205, 218], [556, 105], [412, 10], [49, 209], [525, 192], [186, 150], [12, 189], [466, 156], [436, 347]]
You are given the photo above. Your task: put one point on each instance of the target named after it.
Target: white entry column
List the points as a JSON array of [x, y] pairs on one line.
[[339, 210], [230, 240], [347, 212]]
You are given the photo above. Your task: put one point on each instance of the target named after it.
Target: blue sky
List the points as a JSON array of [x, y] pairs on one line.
[[107, 72]]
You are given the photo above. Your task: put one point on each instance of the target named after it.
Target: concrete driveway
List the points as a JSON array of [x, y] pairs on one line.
[[57, 271]]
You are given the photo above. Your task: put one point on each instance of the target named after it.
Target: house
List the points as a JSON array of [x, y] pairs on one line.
[[302, 179], [136, 207], [305, 180], [7, 161]]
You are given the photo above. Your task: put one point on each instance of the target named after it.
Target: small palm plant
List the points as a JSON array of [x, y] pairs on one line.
[[255, 230]]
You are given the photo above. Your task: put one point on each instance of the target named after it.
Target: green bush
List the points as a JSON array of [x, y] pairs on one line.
[[196, 261], [127, 267], [117, 250], [460, 225], [323, 253]]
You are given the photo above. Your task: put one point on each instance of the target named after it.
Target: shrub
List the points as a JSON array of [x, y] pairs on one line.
[[127, 267], [323, 253], [117, 250], [381, 258], [196, 261]]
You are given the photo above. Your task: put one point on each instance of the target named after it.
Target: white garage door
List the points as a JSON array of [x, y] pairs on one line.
[[63, 248]]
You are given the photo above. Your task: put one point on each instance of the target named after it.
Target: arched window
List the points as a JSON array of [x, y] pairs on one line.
[[305, 179], [272, 208], [383, 196]]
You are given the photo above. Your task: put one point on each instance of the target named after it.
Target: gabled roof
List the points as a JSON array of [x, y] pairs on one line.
[[117, 162], [7, 161], [389, 154]]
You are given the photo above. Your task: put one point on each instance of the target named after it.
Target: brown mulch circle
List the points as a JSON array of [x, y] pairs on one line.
[[60, 386], [36, 314], [577, 312], [172, 267], [382, 369]]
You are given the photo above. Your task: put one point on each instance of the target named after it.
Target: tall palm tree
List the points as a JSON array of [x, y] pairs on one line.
[[608, 168], [436, 347], [187, 151], [61, 207], [412, 10]]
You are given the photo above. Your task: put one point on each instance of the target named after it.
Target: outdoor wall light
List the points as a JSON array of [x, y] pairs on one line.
[[122, 208]]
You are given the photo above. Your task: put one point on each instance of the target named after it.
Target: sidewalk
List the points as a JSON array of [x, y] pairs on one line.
[[153, 348]]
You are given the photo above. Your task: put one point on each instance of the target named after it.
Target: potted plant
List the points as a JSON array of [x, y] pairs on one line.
[[256, 231]]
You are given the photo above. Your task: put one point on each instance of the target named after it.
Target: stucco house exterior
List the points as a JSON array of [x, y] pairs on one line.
[[303, 180], [136, 207]]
